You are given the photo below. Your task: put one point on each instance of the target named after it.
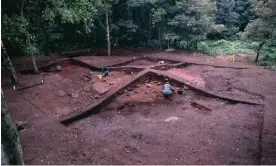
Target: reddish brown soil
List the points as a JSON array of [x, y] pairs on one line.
[[142, 62], [103, 61], [188, 75], [223, 81], [147, 63], [69, 90], [141, 128], [149, 91]]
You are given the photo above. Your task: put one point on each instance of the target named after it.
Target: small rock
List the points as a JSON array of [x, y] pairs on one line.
[[193, 150], [158, 83], [148, 85], [21, 125], [125, 90], [58, 68], [130, 149], [130, 89], [186, 88], [91, 73], [96, 96], [86, 88], [74, 94], [61, 93], [111, 83], [161, 62], [146, 92], [135, 91]]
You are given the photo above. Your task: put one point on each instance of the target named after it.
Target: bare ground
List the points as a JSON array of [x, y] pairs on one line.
[[141, 127], [69, 90]]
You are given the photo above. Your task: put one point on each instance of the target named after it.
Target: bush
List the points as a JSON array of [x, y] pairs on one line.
[[269, 58]]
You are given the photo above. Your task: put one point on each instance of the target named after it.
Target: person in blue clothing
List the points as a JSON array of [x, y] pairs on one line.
[[105, 72], [167, 90]]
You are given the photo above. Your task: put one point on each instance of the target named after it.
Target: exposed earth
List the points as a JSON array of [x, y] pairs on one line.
[[138, 125]]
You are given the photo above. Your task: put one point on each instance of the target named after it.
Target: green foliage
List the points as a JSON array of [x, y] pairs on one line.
[[269, 58], [227, 16], [157, 15], [44, 26], [224, 47], [124, 30], [262, 29], [194, 20], [171, 37], [15, 33], [245, 11]]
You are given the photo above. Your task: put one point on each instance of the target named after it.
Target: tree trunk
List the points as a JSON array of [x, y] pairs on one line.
[[159, 38], [8, 63], [53, 59], [168, 44], [34, 63], [196, 45], [107, 34], [9, 137], [22, 8], [258, 51], [48, 51]]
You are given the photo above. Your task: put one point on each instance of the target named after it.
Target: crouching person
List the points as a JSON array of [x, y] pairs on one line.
[[167, 90]]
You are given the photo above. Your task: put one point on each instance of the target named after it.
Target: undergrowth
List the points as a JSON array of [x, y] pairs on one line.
[[224, 47]]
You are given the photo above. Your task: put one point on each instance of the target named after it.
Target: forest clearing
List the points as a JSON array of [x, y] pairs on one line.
[[85, 82], [224, 116]]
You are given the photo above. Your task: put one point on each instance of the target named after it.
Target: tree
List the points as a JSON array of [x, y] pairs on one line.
[[158, 20], [57, 25], [245, 12], [227, 16], [9, 137], [262, 29], [170, 37], [106, 10], [123, 30], [194, 20], [8, 63], [31, 49]]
